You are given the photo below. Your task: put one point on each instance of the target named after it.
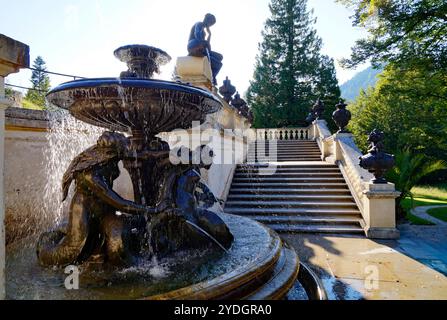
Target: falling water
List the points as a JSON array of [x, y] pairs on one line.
[[207, 234], [66, 138]]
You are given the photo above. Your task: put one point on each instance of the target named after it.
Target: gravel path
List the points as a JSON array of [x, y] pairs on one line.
[[421, 212]]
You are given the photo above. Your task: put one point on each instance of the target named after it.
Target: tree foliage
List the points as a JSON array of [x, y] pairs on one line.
[[410, 168], [404, 32], [290, 73], [40, 83], [410, 106]]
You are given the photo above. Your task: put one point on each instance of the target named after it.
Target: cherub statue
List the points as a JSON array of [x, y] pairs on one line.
[[93, 226]]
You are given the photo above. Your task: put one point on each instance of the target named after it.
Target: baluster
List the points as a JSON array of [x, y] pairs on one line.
[[307, 134], [301, 135], [286, 135]]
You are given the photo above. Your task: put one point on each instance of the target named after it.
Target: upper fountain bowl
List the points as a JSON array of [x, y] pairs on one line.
[[135, 102], [129, 104], [142, 61]]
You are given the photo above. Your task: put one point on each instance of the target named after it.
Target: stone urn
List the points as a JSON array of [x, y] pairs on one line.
[[376, 160], [341, 117], [227, 90]]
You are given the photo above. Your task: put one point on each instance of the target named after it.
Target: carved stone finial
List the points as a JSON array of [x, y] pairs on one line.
[[376, 160], [237, 101], [341, 116], [318, 109], [227, 90]]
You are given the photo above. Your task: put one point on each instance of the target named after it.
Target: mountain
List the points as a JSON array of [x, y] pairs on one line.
[[362, 80]]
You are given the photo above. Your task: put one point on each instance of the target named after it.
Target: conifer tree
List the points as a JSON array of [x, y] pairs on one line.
[[40, 83], [290, 73]]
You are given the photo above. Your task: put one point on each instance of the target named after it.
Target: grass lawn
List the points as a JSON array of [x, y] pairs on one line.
[[436, 192], [438, 213], [426, 196], [30, 105]]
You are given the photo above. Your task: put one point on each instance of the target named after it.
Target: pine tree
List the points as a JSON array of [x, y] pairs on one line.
[[290, 73], [40, 83]]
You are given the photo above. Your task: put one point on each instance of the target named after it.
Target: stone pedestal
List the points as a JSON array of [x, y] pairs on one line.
[[194, 70], [379, 206], [13, 56]]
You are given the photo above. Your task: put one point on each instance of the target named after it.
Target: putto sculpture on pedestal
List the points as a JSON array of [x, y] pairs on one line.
[[199, 44]]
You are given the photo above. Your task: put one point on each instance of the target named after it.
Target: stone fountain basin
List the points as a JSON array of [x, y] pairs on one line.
[[130, 104], [258, 266]]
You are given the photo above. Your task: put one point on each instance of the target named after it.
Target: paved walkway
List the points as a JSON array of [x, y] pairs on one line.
[[421, 212], [354, 268]]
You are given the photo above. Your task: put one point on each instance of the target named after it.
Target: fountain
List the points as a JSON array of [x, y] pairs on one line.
[[167, 243]]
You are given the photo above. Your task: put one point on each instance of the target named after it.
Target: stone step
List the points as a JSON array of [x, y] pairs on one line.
[[289, 175], [290, 211], [283, 152], [290, 204], [309, 185], [270, 172], [291, 191], [264, 197], [303, 141], [284, 147], [274, 159], [286, 154], [338, 229], [320, 164], [320, 220], [283, 179]]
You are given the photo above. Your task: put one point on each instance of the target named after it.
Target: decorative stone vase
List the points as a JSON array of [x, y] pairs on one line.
[[227, 90], [376, 161], [341, 117]]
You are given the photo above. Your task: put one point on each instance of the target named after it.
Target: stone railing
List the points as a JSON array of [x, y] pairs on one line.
[[304, 133], [376, 202]]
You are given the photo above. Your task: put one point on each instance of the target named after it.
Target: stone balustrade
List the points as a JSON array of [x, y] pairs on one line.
[[376, 202], [302, 133]]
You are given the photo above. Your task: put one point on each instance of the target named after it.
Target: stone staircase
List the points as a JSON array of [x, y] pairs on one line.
[[300, 193]]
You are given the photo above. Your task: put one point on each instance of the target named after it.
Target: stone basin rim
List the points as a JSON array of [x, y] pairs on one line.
[[132, 83], [223, 284]]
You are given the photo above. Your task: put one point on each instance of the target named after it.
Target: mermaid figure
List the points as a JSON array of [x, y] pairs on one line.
[[94, 228]]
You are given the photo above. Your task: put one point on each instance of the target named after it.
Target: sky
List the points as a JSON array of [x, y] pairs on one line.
[[78, 37]]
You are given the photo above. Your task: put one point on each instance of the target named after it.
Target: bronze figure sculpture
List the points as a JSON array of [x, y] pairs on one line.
[[93, 226], [166, 215], [199, 44]]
